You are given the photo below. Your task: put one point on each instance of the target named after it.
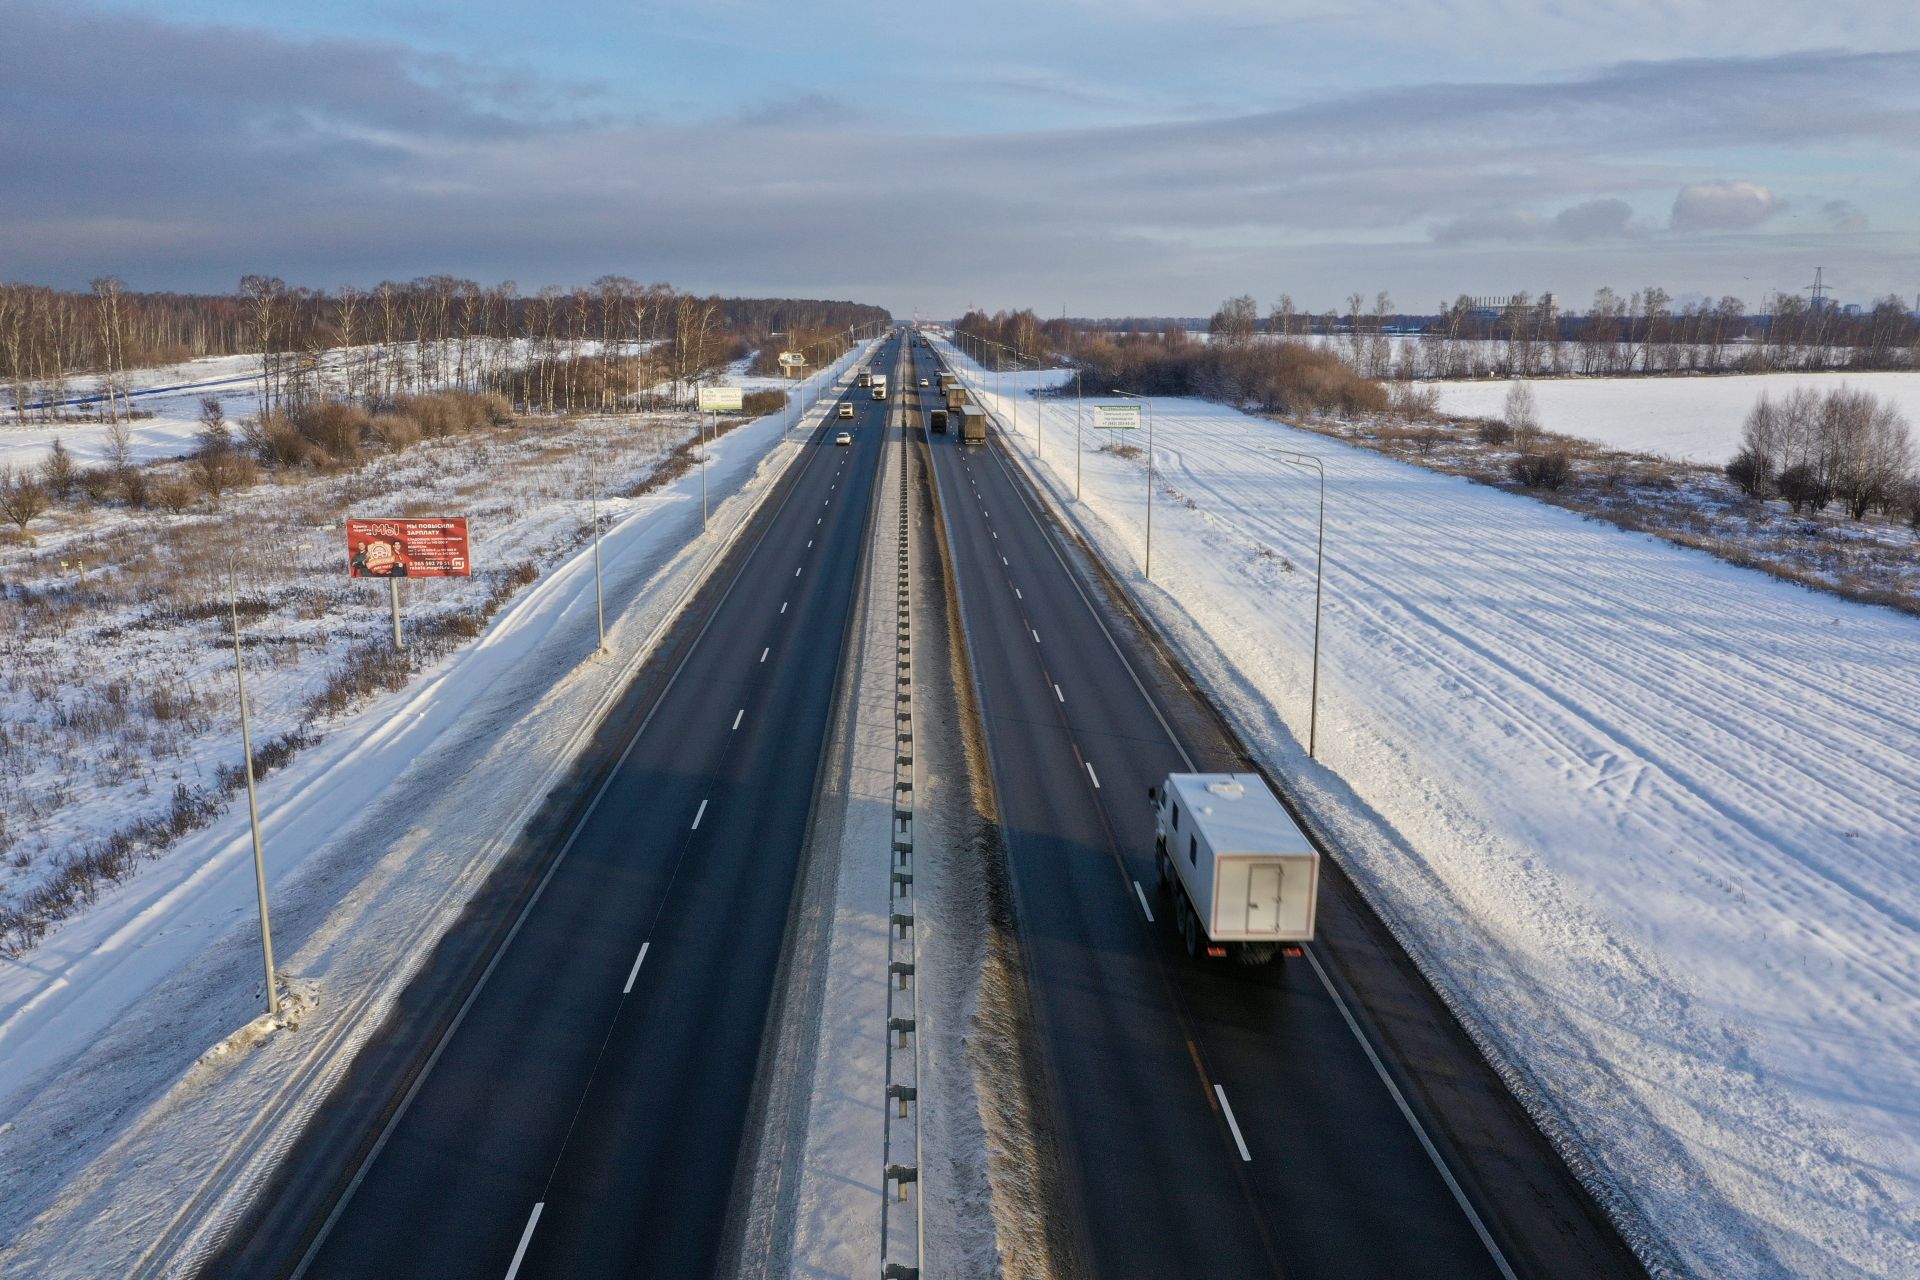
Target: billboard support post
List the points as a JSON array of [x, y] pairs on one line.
[[253, 803], [393, 593]]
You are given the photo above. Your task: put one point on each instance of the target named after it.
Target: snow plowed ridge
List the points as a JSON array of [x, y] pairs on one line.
[[1653, 819]]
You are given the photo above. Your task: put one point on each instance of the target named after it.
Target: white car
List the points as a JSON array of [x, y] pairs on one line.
[[845, 437], [923, 382], [846, 408]]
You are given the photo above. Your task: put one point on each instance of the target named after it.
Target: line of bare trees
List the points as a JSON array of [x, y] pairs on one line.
[[590, 348], [1640, 332], [1846, 446]]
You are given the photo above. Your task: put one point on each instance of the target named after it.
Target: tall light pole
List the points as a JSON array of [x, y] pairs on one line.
[[599, 598], [1078, 406], [1149, 403], [1319, 559], [253, 802]]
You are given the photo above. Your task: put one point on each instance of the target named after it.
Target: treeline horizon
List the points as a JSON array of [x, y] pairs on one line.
[[1642, 331], [50, 337]]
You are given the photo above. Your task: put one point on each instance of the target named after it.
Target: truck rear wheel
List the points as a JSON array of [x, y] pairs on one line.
[[1189, 927]]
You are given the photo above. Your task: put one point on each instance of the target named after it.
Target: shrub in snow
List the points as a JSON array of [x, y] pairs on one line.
[[1805, 487], [1751, 472], [1494, 432], [1548, 470]]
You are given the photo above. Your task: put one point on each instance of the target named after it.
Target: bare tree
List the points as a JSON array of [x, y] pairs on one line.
[[1521, 415], [23, 498]]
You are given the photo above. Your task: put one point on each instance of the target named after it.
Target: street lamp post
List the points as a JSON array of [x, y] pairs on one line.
[[253, 802], [1077, 408], [1319, 560], [1149, 403]]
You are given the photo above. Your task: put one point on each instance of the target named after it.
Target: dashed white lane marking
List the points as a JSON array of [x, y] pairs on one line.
[[796, 571], [1093, 775], [996, 535], [1232, 1124], [809, 544], [641, 958], [1017, 595], [1036, 635], [701, 814], [526, 1238], [783, 606], [1143, 901], [1005, 561], [743, 711], [817, 519], [764, 652], [1058, 694]]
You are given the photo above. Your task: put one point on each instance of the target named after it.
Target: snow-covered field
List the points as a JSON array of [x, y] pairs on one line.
[[374, 836], [1648, 819], [1692, 419]]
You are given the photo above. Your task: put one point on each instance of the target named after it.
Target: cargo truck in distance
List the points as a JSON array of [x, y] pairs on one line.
[[937, 421], [879, 386], [1243, 879], [865, 379], [973, 424]]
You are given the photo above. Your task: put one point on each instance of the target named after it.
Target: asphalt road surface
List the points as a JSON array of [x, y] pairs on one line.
[[584, 1112], [1317, 1117]]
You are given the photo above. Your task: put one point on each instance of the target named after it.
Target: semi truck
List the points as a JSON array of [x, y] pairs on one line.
[[865, 378], [937, 421], [1244, 879], [879, 386], [956, 397], [973, 424]]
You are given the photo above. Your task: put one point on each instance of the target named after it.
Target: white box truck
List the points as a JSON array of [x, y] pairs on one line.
[[1243, 878], [879, 386]]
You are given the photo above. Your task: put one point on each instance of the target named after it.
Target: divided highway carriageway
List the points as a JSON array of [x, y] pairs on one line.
[[565, 1095], [1322, 1116]]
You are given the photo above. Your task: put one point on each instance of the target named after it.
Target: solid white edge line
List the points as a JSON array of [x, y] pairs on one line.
[[639, 959], [736, 717], [526, 1238], [1419, 1130], [699, 815], [1227, 1108], [1093, 775], [1143, 901]]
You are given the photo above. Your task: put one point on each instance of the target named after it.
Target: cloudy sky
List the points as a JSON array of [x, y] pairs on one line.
[[1127, 156]]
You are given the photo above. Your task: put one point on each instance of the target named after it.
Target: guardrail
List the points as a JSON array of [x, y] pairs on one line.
[[902, 1239]]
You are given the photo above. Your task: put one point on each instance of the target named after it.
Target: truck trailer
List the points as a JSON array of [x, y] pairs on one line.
[[937, 421], [879, 386], [956, 397], [973, 424], [865, 378], [1244, 879]]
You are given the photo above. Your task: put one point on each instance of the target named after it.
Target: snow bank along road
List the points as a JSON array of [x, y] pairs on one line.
[[577, 1110], [1648, 818], [1320, 1117]]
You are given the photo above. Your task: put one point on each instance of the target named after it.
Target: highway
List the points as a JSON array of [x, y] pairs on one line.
[[1318, 1117], [565, 1093]]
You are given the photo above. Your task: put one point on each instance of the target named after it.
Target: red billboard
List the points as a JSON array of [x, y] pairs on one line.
[[408, 547]]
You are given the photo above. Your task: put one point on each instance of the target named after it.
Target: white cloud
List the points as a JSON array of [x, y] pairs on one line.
[[1605, 219], [1723, 206]]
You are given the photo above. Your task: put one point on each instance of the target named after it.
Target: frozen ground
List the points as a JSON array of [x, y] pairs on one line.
[[1648, 819], [1693, 419], [131, 1088]]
